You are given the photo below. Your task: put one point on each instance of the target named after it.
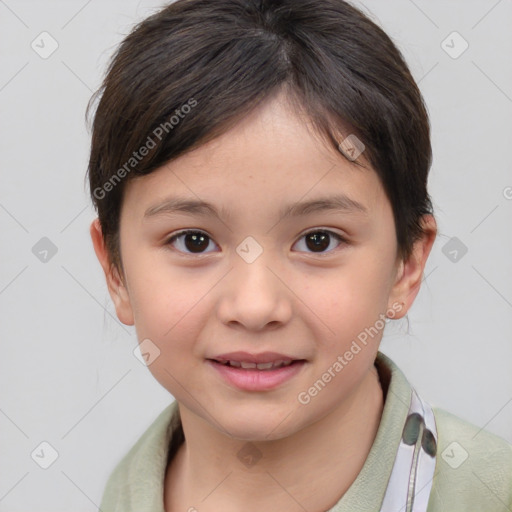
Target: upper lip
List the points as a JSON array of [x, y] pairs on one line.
[[263, 357]]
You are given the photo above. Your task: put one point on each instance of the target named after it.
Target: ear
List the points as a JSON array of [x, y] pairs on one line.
[[116, 287], [410, 272]]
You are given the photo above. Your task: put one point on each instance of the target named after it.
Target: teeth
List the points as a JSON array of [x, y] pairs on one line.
[[264, 366], [260, 366]]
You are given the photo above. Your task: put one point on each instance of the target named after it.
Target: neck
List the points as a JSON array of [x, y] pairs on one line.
[[311, 469]]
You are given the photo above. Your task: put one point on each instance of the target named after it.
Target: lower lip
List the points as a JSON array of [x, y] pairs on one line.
[[254, 379]]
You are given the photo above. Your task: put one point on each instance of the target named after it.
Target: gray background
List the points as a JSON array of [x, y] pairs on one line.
[[68, 374]]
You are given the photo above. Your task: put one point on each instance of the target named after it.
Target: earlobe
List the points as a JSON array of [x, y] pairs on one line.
[[116, 286], [410, 272]]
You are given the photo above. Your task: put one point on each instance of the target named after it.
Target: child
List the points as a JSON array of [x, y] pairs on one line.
[[260, 170]]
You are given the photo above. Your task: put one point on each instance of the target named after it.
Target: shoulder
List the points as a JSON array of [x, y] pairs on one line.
[[138, 475], [473, 469]]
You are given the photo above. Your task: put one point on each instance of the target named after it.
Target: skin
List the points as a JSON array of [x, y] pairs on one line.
[[291, 299]]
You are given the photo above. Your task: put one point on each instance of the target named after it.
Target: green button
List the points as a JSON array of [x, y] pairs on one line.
[[428, 443], [411, 431]]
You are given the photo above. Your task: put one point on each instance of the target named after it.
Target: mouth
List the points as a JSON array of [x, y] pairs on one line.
[[256, 376], [248, 365]]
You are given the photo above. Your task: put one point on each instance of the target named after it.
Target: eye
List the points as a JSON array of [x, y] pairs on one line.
[[190, 240], [196, 242], [321, 239]]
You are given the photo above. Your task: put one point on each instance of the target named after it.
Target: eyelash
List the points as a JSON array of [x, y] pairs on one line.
[[341, 239]]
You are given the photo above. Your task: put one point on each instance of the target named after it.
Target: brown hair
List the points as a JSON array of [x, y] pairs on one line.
[[188, 73]]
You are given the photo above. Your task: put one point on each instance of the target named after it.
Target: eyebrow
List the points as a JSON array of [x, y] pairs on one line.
[[339, 203]]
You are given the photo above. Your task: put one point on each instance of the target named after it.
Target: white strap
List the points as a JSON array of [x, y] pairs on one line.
[[413, 471]]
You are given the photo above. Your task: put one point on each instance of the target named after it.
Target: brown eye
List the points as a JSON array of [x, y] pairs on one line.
[[320, 240], [194, 242]]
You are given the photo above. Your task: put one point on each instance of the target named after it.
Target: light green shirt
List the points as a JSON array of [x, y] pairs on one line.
[[473, 471]]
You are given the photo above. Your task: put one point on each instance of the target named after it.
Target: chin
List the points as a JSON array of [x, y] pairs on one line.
[[260, 426]]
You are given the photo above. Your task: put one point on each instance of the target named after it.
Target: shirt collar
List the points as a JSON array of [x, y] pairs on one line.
[[137, 484], [368, 489]]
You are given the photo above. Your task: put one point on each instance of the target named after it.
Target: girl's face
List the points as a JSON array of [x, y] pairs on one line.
[[292, 251]]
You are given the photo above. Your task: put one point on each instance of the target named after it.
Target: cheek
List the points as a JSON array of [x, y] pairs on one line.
[[165, 300], [168, 311], [170, 319], [349, 303]]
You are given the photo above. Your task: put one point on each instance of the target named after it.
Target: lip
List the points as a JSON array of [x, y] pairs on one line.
[[262, 357], [250, 379]]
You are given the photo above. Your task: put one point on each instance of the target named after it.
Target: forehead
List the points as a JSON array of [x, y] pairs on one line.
[[273, 155]]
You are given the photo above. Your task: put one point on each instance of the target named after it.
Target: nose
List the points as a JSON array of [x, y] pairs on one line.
[[255, 295]]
